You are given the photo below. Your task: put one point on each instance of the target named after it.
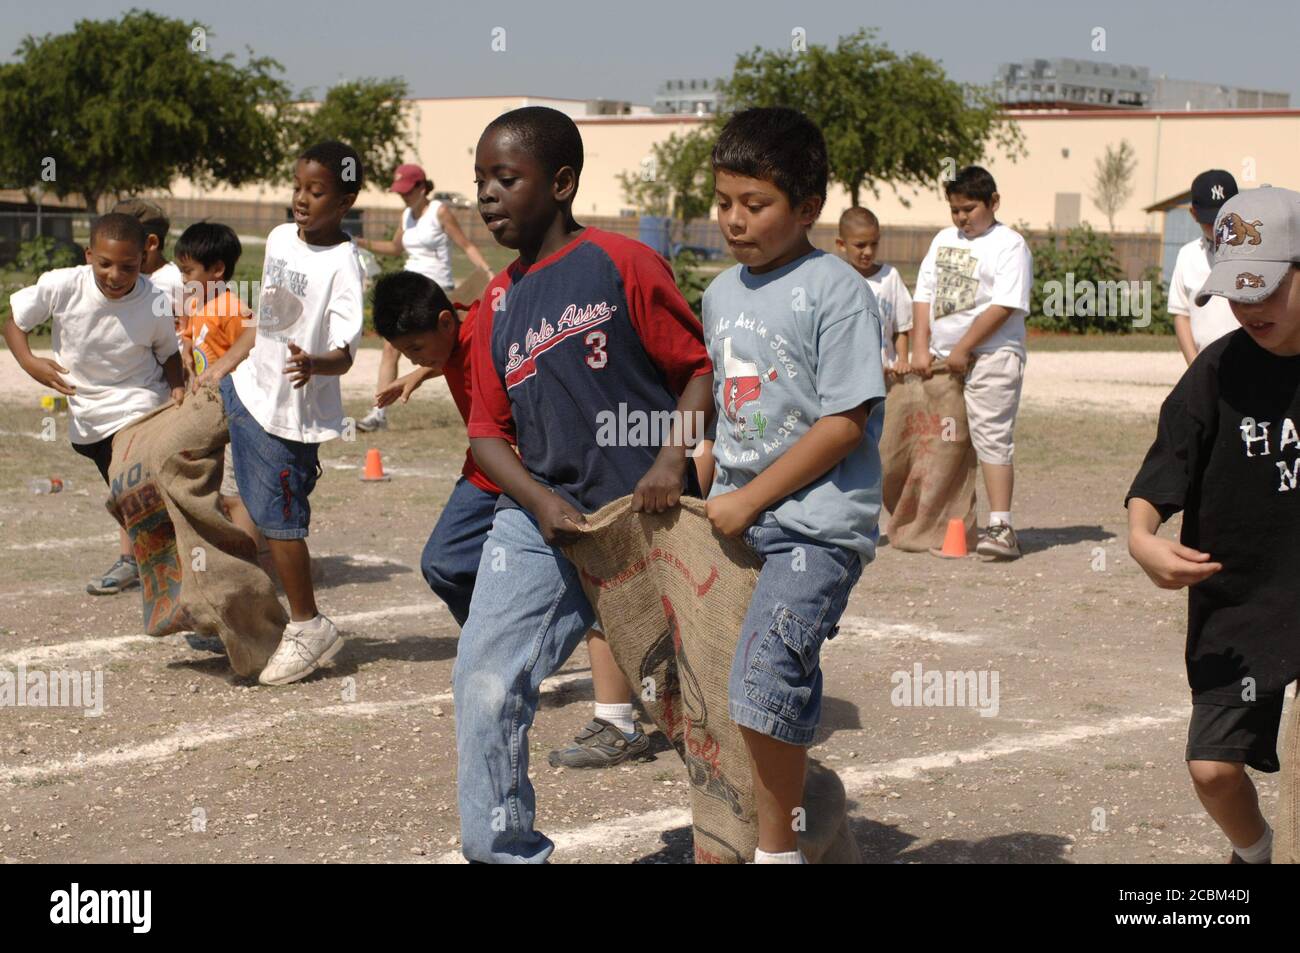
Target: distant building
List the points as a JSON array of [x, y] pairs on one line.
[[1189, 94], [687, 97], [1072, 84]]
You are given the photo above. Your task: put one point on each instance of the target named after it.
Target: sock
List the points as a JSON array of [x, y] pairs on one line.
[[788, 857], [380, 412], [620, 716], [1000, 516], [1259, 852], [305, 624]]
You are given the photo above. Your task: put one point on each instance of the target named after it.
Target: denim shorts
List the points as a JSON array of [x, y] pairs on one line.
[[275, 475], [776, 677]]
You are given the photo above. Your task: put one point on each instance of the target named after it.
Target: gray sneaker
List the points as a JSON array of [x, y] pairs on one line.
[[600, 745], [121, 576], [998, 542], [377, 419]]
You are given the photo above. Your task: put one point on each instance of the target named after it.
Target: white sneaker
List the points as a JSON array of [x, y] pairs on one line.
[[304, 647], [377, 419]]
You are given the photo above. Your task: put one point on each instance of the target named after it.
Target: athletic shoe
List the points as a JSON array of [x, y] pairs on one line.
[[304, 647], [1236, 858], [121, 576], [600, 745], [998, 542], [375, 420]]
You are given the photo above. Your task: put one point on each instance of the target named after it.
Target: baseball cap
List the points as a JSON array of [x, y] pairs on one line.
[[151, 216], [1209, 191], [407, 177], [1256, 239]]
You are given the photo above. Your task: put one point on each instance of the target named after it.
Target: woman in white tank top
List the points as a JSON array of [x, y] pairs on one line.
[[424, 236]]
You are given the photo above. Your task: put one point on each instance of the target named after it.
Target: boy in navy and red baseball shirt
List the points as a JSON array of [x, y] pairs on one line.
[[582, 322]]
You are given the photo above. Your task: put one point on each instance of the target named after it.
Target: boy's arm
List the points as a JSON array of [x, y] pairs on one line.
[[302, 367], [704, 465], [1183, 331], [556, 517], [661, 487], [402, 388], [902, 365], [988, 321], [826, 443], [921, 357], [174, 371], [44, 371], [1170, 564]]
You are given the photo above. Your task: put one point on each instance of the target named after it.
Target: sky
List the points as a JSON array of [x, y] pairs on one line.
[[624, 50]]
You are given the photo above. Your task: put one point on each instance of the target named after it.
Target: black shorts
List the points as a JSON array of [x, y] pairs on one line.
[[101, 451], [1244, 733]]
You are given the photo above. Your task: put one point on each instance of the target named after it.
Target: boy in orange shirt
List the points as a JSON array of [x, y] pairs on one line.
[[206, 254]]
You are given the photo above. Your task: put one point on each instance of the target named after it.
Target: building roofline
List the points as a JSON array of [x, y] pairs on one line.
[[1021, 116]]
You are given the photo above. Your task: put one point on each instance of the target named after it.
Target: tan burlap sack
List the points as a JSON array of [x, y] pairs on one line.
[[928, 462], [198, 571], [671, 596], [1286, 834]]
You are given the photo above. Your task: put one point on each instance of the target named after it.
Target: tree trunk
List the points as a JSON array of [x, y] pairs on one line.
[[854, 190]]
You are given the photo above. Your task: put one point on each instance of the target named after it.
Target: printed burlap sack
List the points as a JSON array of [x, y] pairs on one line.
[[198, 571], [1286, 835], [928, 462], [671, 596]]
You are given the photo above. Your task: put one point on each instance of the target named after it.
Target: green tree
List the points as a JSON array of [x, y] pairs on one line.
[[1112, 182], [886, 118], [371, 115], [117, 106], [675, 179]]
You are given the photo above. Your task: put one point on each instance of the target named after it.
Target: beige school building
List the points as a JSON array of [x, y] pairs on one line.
[[1050, 184]]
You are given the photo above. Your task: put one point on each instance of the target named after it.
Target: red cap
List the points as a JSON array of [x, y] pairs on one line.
[[407, 177]]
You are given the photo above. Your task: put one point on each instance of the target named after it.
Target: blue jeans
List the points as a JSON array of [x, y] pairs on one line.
[[450, 558], [776, 677], [527, 615], [275, 475]]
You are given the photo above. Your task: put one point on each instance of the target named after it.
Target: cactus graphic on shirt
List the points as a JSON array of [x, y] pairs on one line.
[[760, 421]]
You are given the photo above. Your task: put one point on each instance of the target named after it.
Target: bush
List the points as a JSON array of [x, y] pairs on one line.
[[1079, 286], [44, 253], [689, 280]]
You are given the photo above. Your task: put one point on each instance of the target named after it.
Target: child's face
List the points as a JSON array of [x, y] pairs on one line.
[[1274, 323], [430, 348], [757, 220], [972, 216], [1207, 228], [858, 245], [116, 265], [517, 199], [318, 203], [200, 281]]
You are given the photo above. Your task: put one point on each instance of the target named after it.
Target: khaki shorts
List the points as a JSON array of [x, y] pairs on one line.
[[992, 389], [228, 485]]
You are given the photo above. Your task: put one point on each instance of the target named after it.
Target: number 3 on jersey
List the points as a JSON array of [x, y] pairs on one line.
[[596, 357]]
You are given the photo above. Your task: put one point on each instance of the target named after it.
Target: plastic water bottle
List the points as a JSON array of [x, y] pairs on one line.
[[46, 485]]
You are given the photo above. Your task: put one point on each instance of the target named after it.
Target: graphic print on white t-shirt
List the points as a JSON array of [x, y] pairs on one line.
[[955, 283]]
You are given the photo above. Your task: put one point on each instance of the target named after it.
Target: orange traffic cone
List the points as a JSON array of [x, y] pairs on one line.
[[374, 471], [954, 541]]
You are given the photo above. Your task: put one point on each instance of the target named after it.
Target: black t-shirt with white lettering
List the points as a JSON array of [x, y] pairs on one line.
[[1227, 453]]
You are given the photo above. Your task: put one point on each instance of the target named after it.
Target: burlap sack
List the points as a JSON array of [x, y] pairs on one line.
[[198, 571], [1286, 834], [927, 479], [671, 596]]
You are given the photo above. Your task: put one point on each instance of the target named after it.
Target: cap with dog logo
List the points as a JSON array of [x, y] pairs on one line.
[[1256, 240]]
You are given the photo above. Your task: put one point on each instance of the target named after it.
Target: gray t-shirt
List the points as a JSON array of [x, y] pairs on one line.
[[789, 347]]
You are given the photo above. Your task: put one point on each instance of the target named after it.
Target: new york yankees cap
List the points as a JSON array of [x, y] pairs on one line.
[[1209, 191], [1256, 240]]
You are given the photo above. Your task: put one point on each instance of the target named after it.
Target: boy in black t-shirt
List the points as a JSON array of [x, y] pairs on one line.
[[1227, 453]]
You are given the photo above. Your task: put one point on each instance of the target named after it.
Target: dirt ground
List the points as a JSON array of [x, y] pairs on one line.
[[1081, 762]]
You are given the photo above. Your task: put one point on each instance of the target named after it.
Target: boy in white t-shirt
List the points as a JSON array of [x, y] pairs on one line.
[[163, 273], [1198, 326], [281, 390], [972, 295], [115, 353], [857, 242]]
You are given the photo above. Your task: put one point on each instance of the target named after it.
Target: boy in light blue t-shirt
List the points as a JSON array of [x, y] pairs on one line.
[[795, 454]]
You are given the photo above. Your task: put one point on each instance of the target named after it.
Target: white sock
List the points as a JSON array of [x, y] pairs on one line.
[[620, 716], [787, 857], [380, 412], [1000, 516], [1259, 852]]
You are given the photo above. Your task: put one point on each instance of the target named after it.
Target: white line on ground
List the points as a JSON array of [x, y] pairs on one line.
[[192, 737], [854, 625], [66, 543], [111, 645]]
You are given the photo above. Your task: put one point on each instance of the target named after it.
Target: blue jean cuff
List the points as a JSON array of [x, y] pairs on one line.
[[766, 723], [284, 533]]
